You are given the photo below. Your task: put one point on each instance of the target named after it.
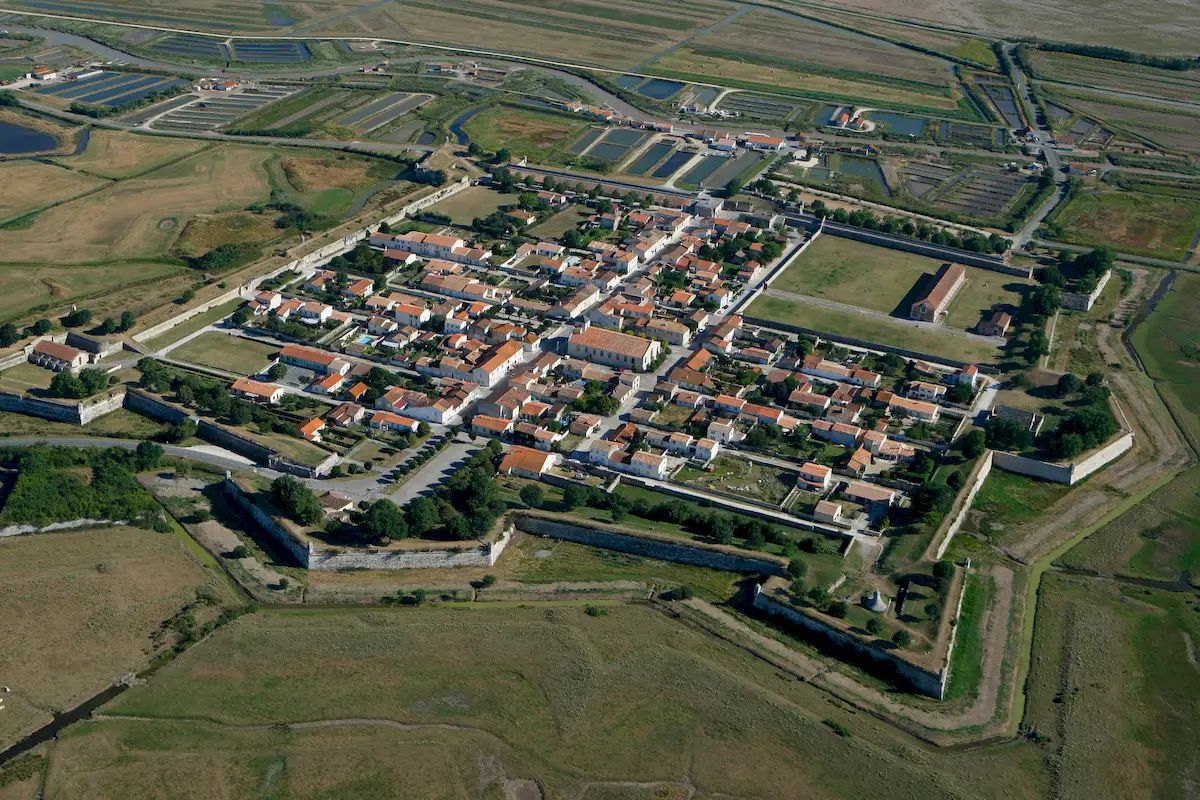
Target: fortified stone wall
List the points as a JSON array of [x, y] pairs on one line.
[[955, 521], [89, 410], [485, 555], [21, 530], [966, 257], [1084, 302], [922, 680], [301, 551], [650, 548]]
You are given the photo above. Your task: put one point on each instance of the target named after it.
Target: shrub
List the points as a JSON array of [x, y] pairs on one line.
[[241, 551]]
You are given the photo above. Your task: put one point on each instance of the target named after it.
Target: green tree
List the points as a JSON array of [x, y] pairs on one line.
[[902, 638], [127, 321], [973, 443], [421, 515], [532, 495], [383, 522], [874, 626], [1068, 384], [148, 455], [9, 335], [575, 496], [41, 327], [837, 609], [295, 500], [423, 429], [241, 316], [277, 371], [80, 316]]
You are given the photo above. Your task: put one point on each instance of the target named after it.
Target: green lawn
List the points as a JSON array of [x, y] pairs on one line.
[[560, 223], [984, 292], [24, 377], [477, 201], [1168, 342], [192, 325], [1007, 500], [897, 333], [966, 663], [1133, 222], [120, 423], [230, 353], [524, 133]]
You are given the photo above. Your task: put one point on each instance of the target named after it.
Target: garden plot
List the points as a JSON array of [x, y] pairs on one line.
[[970, 135], [744, 478], [183, 44]]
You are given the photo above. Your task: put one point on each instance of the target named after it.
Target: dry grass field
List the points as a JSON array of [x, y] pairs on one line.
[[552, 694], [25, 286], [117, 154], [962, 46], [40, 185], [140, 217], [527, 133], [984, 292], [79, 609], [1141, 26], [317, 173], [206, 231]]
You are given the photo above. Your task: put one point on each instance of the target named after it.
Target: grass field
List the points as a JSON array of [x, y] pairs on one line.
[[117, 154], [222, 351], [984, 292], [897, 333], [26, 286], [1006, 501], [41, 184], [741, 477], [476, 201], [560, 223], [1139, 223], [1168, 342], [81, 607], [855, 273], [206, 231], [1116, 75], [524, 133], [120, 423], [141, 217], [24, 377], [552, 694], [1158, 538], [1113, 686], [194, 324]]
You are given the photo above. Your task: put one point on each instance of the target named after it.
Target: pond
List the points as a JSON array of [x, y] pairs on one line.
[[18, 140], [628, 81], [898, 123], [658, 89], [864, 168]]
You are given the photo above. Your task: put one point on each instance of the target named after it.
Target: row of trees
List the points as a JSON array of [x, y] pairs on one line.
[[861, 218], [76, 387]]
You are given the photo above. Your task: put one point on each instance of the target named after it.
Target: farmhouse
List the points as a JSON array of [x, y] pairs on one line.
[[57, 357], [257, 390], [613, 349], [996, 325], [946, 284], [315, 360]]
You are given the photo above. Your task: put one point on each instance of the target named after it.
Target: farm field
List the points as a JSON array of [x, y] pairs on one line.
[[623, 683], [1139, 26], [619, 34], [961, 46], [24, 286], [1158, 538], [476, 201], [117, 154], [855, 273], [222, 351], [1136, 222], [41, 184], [249, 18], [1112, 685], [1071, 68], [527, 133], [897, 333], [88, 602]]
